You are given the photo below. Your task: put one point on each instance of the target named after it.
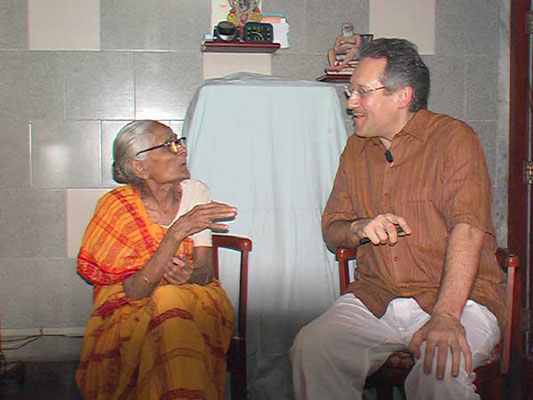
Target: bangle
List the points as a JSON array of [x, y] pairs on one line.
[[208, 281]]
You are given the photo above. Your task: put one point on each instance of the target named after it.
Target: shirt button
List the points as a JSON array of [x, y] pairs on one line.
[[386, 194], [395, 258]]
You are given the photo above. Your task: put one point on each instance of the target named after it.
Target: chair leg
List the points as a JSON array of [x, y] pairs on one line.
[[402, 392], [237, 368], [492, 390], [384, 392]]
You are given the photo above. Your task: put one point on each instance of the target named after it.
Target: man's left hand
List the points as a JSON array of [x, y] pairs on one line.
[[444, 332]]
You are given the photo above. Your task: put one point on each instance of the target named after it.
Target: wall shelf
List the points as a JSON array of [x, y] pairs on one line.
[[339, 78], [212, 46]]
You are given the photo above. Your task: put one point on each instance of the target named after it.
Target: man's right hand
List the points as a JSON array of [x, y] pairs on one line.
[[381, 229]]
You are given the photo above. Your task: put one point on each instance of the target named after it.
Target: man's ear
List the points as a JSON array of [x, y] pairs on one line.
[[405, 96], [138, 169]]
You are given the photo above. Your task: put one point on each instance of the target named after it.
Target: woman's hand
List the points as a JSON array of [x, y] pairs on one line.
[[178, 270], [203, 216]]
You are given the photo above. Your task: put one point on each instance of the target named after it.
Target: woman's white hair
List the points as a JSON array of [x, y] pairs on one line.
[[132, 138]]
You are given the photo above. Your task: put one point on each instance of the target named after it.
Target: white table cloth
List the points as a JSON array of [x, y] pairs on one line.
[[271, 146]]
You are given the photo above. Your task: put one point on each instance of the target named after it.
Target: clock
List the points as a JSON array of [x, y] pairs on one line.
[[258, 32]]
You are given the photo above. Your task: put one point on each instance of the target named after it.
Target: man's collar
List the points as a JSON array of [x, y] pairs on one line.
[[415, 127]]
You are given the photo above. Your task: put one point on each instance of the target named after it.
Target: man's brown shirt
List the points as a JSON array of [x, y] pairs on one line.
[[438, 179]]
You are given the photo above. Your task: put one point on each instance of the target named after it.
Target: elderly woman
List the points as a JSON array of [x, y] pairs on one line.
[[161, 323]]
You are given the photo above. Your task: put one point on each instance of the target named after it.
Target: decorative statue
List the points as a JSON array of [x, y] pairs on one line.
[[345, 50], [243, 11]]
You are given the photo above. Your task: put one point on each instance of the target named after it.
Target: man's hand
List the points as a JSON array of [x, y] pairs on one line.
[[381, 229], [444, 332]]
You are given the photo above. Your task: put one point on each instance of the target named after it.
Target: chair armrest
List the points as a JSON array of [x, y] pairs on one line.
[[232, 242], [343, 256], [346, 253], [507, 259]]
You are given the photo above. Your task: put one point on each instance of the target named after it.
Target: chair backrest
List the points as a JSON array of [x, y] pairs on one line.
[[244, 246], [507, 260]]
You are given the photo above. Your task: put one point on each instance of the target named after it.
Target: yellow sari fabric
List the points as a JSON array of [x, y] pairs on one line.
[[171, 345]]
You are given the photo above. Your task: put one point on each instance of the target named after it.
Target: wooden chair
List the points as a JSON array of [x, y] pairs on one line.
[[237, 350], [489, 375]]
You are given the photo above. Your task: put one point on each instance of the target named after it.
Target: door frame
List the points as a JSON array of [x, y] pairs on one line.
[[518, 190]]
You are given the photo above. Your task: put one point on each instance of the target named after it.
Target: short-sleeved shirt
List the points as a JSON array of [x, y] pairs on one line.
[[195, 192], [438, 179]]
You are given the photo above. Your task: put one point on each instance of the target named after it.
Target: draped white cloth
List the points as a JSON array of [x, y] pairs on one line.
[[271, 146]]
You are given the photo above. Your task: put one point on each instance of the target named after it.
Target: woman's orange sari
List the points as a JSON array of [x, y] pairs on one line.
[[170, 345]]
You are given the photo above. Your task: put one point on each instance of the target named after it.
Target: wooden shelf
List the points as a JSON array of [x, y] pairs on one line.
[[212, 46], [334, 78]]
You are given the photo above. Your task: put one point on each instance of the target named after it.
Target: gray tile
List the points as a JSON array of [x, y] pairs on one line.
[[32, 223], [499, 213], [323, 21], [137, 24], [62, 297], [165, 84], [299, 66], [294, 11], [99, 85], [109, 132], [31, 85], [65, 154], [467, 28], [190, 20], [14, 153], [502, 160], [481, 87], [13, 25], [59, 297], [17, 306], [447, 95], [486, 131]]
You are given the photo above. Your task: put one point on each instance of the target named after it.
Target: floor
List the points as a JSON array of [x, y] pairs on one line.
[[43, 381], [55, 381]]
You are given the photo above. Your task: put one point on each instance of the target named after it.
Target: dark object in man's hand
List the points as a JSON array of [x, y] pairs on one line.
[[366, 240]]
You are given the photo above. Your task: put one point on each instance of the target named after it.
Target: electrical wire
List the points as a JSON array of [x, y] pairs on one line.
[[16, 343]]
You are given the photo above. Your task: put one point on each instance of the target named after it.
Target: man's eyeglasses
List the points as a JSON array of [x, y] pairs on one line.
[[172, 145], [359, 91]]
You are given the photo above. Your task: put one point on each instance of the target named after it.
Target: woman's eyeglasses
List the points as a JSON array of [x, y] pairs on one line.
[[172, 145]]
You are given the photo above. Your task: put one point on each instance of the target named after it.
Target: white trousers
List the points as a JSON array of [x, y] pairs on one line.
[[332, 356]]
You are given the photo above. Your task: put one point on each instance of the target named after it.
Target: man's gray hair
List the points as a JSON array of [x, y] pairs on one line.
[[404, 68], [132, 138]]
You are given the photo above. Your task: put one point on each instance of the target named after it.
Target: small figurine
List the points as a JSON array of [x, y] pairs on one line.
[[346, 48], [243, 11]]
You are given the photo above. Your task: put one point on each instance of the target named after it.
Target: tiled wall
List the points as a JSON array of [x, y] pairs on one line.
[[60, 110]]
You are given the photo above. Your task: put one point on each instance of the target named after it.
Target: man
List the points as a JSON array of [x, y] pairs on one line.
[[435, 288]]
